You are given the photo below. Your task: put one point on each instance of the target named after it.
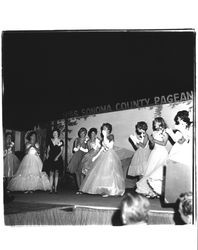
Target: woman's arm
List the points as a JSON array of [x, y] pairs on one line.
[[96, 156], [27, 147], [89, 146], [109, 145], [37, 148], [133, 144], [182, 140], [56, 159], [163, 142], [83, 146], [76, 146], [47, 154], [175, 136]]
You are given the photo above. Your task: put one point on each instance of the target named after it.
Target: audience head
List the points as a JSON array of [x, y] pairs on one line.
[[159, 123], [82, 132], [182, 117], [92, 132], [185, 207], [134, 209]]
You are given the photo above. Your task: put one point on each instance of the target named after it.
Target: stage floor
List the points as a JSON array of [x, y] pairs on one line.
[[40, 200]]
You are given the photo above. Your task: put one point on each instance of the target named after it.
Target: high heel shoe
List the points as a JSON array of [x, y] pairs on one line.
[[150, 196], [105, 195]]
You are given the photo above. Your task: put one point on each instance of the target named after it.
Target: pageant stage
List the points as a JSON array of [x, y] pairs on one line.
[[68, 208]]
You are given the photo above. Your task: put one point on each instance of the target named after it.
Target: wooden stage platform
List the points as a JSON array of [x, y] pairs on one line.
[[68, 208]]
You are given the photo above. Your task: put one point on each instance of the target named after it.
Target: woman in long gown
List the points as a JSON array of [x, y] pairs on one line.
[[93, 145], [182, 149], [54, 159], [106, 175], [11, 162], [80, 149], [29, 176], [140, 142], [151, 183]]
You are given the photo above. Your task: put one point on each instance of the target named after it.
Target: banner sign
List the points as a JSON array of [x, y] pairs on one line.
[[144, 102]]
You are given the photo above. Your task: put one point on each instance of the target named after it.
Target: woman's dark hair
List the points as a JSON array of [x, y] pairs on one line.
[[161, 121], [92, 130], [82, 130], [184, 116], [108, 126], [28, 137], [141, 125], [9, 133], [55, 129]]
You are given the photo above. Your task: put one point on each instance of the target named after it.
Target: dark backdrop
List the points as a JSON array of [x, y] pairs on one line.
[[46, 73]]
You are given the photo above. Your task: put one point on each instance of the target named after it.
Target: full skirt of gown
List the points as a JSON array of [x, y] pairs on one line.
[[105, 176], [86, 163], [29, 176], [11, 164], [139, 161], [74, 164], [153, 176], [182, 153]]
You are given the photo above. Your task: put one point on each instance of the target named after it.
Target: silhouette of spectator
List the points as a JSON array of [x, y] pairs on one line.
[[184, 209], [134, 210]]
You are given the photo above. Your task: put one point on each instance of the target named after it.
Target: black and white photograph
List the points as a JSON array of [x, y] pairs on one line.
[[98, 127]]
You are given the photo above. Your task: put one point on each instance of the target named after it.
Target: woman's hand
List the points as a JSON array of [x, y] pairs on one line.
[[56, 159], [106, 148], [93, 159], [104, 132], [86, 139]]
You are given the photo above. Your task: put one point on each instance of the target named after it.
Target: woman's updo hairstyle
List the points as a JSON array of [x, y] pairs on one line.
[[108, 126], [184, 116]]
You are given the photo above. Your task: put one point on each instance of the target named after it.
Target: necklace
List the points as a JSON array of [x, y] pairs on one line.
[[55, 141]]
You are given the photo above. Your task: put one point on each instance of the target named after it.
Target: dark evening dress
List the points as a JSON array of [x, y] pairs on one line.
[[53, 152]]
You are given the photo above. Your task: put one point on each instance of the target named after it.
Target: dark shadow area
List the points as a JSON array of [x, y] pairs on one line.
[[20, 155], [68, 182], [177, 217], [116, 219], [7, 197]]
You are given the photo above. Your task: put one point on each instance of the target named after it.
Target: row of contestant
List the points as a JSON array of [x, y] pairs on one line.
[[30, 175], [149, 163], [97, 166]]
